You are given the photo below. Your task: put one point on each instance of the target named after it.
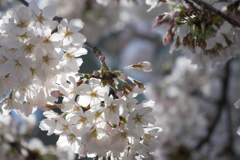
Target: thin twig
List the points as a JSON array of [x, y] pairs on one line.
[[219, 13], [98, 54]]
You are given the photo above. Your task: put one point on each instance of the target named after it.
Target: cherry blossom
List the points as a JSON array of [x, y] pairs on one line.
[[68, 32], [92, 94], [30, 57], [102, 115]]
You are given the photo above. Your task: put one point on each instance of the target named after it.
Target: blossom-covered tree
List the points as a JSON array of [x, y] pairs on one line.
[[185, 110]]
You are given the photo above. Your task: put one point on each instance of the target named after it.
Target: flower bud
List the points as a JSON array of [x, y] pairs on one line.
[[56, 94], [145, 66], [101, 58], [163, 18], [159, 17], [175, 14], [96, 73], [123, 76], [167, 38], [119, 94]]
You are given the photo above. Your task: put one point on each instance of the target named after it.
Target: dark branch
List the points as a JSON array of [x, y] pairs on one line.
[[230, 132], [211, 128], [192, 5], [220, 103], [59, 19], [219, 13], [25, 3], [98, 54]]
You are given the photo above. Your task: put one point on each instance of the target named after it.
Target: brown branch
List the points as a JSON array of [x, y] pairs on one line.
[[230, 20]]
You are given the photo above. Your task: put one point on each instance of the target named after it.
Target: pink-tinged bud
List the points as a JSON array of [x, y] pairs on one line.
[[175, 14], [56, 94], [119, 94], [167, 38], [123, 76], [145, 66], [172, 23], [140, 85], [157, 24], [159, 17], [96, 73], [101, 58], [163, 18]]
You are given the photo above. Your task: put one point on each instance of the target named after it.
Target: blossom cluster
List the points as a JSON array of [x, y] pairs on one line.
[[99, 113], [101, 121], [33, 57], [202, 36], [194, 88]]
